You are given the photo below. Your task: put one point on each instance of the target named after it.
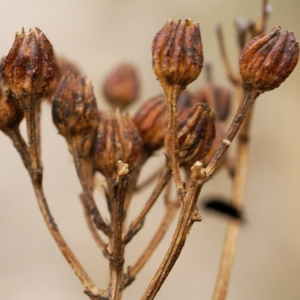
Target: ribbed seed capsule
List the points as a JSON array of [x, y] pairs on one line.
[[74, 108], [196, 133], [151, 121], [177, 56], [268, 59], [117, 139], [29, 66]]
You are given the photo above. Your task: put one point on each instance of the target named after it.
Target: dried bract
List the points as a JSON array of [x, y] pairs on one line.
[[117, 139], [151, 121], [268, 59], [177, 56], [29, 66], [196, 132], [122, 86], [74, 108]]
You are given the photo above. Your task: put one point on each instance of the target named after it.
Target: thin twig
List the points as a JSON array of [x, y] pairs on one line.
[[230, 74], [116, 255], [189, 214], [148, 180], [137, 223]]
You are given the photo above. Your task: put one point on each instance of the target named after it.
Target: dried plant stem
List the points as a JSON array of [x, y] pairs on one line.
[[90, 201], [232, 232], [116, 255], [99, 241], [171, 209], [247, 101], [149, 180], [20, 145], [189, 214], [172, 93], [35, 172], [230, 74], [137, 223]]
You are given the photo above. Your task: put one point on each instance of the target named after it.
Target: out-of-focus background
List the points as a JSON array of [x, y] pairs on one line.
[[98, 35]]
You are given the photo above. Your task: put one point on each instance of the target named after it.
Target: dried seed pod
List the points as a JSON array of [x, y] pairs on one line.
[[196, 132], [74, 109], [61, 68], [122, 86], [222, 105], [29, 67], [268, 59], [177, 56], [11, 113], [151, 121], [117, 139]]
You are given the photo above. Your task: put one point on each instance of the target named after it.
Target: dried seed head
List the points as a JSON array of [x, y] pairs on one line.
[[122, 86], [11, 113], [177, 55], [29, 66], [196, 132], [117, 139], [268, 59], [151, 121], [61, 68], [74, 109]]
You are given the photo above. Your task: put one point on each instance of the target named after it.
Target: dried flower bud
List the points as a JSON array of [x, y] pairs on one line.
[[151, 121], [177, 55], [268, 59], [61, 68], [29, 66], [196, 133], [117, 139], [11, 113], [122, 86], [74, 108]]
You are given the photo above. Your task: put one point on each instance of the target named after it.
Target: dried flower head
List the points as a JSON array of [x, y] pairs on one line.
[[29, 66], [268, 59], [74, 108], [151, 121], [196, 132], [11, 113], [177, 56], [117, 139], [122, 86]]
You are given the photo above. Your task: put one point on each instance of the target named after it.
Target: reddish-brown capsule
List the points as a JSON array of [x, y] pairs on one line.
[[122, 86], [11, 113], [151, 121], [29, 66], [74, 108], [196, 132], [177, 56], [117, 139], [268, 59]]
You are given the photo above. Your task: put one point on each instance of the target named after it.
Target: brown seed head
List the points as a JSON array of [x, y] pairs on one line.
[[11, 113], [74, 108], [29, 66], [196, 132], [268, 59], [151, 121], [122, 86], [177, 55], [117, 139]]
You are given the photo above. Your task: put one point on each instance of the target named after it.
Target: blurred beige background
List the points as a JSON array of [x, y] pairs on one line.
[[99, 34]]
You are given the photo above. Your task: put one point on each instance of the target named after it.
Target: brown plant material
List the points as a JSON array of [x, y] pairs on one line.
[[151, 121], [117, 139], [74, 110], [122, 86], [195, 134], [29, 66], [268, 59], [177, 55]]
